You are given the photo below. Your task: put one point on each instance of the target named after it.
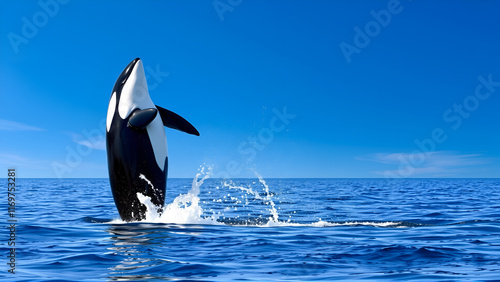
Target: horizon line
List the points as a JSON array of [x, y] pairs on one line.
[[402, 178]]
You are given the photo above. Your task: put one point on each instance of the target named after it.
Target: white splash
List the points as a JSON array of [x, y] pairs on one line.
[[186, 209], [274, 219], [141, 176], [229, 184]]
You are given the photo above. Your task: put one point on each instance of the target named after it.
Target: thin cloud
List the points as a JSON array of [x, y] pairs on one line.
[[431, 164], [12, 160], [13, 125], [97, 142]]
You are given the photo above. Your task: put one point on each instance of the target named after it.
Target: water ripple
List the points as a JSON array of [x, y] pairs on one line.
[[255, 229]]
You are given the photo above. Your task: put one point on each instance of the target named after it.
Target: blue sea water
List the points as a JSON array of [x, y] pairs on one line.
[[260, 229]]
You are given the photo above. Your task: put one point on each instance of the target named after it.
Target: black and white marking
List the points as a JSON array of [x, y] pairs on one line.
[[136, 143]]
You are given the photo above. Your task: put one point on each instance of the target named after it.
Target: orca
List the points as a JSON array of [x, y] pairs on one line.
[[136, 144]]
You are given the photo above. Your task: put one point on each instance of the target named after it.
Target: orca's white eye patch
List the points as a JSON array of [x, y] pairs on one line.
[[111, 111]]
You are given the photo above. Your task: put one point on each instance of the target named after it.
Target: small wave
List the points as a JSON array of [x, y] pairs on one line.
[[89, 219], [321, 223]]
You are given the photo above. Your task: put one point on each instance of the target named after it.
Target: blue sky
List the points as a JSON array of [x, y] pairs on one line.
[[286, 88]]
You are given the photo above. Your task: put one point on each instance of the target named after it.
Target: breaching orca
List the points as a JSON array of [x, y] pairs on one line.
[[136, 144]]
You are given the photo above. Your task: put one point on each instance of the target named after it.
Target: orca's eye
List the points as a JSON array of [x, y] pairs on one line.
[[123, 82]]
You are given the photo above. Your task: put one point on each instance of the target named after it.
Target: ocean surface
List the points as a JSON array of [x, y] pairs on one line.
[[259, 229]]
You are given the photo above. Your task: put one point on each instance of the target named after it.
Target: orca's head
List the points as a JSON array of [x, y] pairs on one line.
[[130, 92], [122, 79]]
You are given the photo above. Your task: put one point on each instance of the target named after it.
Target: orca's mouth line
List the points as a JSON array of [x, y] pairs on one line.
[[130, 68], [122, 79]]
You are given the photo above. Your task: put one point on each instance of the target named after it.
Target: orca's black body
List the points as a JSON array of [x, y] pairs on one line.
[[136, 143], [130, 155]]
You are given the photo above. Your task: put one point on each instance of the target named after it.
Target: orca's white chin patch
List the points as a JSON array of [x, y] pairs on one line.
[[134, 94]]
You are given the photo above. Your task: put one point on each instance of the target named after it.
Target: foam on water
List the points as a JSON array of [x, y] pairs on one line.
[[186, 208]]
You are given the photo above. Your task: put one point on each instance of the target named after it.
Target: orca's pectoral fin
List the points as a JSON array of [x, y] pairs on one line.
[[139, 119], [175, 121]]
